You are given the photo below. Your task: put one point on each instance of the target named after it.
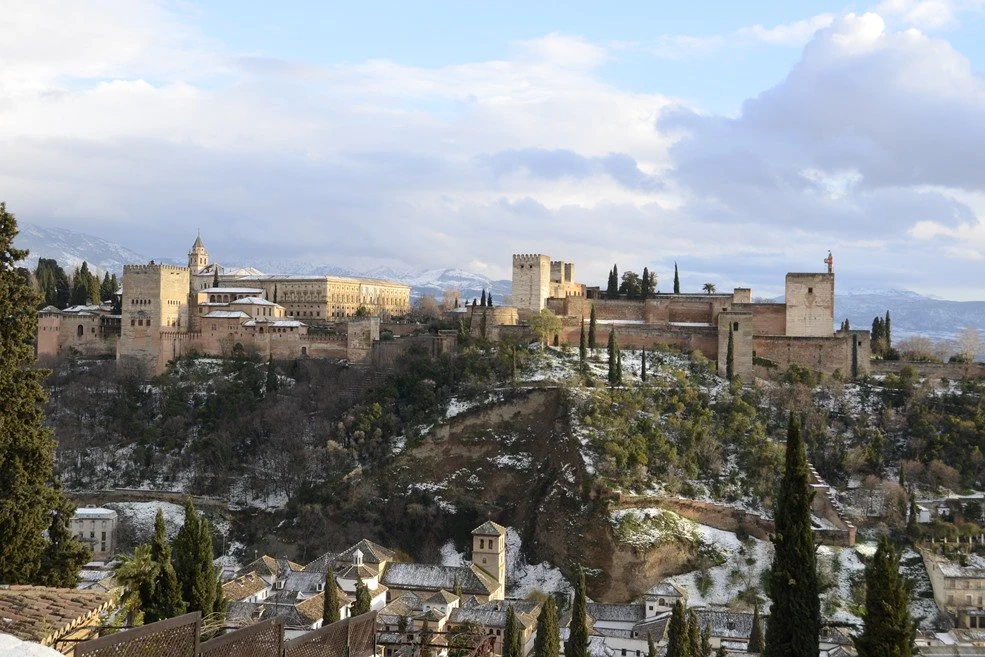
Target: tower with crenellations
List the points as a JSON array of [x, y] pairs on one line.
[[531, 281], [155, 300]]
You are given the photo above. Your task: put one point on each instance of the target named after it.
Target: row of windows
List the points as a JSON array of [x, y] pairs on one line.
[[139, 302]]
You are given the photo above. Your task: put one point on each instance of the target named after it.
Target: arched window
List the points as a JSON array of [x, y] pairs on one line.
[[80, 331]]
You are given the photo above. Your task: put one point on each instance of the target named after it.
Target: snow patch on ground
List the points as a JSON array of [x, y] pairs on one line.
[[523, 578], [140, 516], [450, 556], [522, 461]]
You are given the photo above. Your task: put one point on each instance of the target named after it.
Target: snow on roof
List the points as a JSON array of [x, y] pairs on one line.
[[493, 613], [489, 528], [428, 577], [667, 589], [95, 512], [233, 290], [442, 598], [226, 314], [622, 613], [372, 552], [727, 624], [11, 646], [252, 301]]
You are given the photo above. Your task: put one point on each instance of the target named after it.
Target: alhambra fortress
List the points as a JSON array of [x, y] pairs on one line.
[[167, 312]]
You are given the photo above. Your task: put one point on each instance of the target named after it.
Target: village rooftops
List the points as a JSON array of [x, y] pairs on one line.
[[372, 552], [428, 577], [251, 301], [727, 624], [489, 528], [619, 613], [226, 314], [442, 598], [493, 614], [667, 589], [43, 614], [244, 586]]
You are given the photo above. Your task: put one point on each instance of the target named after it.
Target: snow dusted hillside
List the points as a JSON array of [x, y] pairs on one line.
[[70, 248]]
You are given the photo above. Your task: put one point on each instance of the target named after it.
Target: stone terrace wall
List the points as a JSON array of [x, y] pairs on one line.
[[767, 318], [931, 370], [818, 354], [644, 336]]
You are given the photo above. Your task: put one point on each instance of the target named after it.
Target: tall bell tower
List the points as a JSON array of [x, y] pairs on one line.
[[198, 257], [489, 552]]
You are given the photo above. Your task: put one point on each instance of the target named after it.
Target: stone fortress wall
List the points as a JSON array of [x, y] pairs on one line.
[[765, 336], [169, 311]]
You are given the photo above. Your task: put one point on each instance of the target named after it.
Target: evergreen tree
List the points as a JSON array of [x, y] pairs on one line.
[[651, 648], [215, 279], [64, 554], [193, 563], [888, 630], [618, 364], [489, 300], [706, 641], [677, 280], [613, 376], [721, 652], [29, 492], [795, 621], [165, 601], [677, 645], [645, 291], [547, 643], [457, 588], [730, 356], [591, 328], [512, 635], [643, 366], [363, 602], [577, 643], [612, 291], [888, 332], [756, 634], [330, 611], [582, 344], [482, 300], [693, 634], [272, 381]]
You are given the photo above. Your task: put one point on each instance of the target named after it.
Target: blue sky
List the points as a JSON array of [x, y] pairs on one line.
[[742, 140]]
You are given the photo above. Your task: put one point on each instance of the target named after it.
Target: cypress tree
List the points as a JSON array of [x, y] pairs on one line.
[[795, 621], [677, 645], [693, 634], [706, 641], [645, 291], [612, 291], [512, 635], [482, 300], [721, 652], [651, 648], [582, 344], [591, 328], [215, 279], [677, 280], [618, 364], [756, 634], [643, 366], [730, 356], [489, 300], [30, 497], [330, 612], [106, 288], [888, 332], [577, 643], [547, 643], [363, 601], [888, 630], [457, 587], [166, 600], [613, 364], [272, 382], [193, 563]]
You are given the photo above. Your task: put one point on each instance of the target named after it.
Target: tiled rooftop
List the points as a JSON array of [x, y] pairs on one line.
[[41, 613]]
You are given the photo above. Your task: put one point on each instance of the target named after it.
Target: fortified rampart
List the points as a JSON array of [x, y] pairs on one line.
[[531, 281]]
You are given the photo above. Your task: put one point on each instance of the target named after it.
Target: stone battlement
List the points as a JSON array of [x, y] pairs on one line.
[[151, 268], [526, 258]]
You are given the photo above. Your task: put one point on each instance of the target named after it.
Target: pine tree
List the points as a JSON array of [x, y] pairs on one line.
[[363, 602], [547, 643], [888, 630], [330, 611], [582, 344], [165, 601], [193, 563], [643, 366], [796, 614], [677, 645], [677, 280], [591, 328], [730, 356], [29, 492], [756, 634], [577, 643]]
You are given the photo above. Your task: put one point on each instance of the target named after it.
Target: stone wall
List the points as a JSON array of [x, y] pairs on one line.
[[645, 336], [494, 316], [531, 281], [931, 370], [154, 297], [767, 318], [814, 353], [740, 324]]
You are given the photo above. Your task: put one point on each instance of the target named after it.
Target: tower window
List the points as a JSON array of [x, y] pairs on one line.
[[810, 290], [735, 326]]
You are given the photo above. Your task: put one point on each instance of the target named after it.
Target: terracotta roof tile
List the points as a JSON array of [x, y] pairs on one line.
[[42, 613]]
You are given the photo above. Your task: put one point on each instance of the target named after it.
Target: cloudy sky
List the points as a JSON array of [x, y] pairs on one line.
[[741, 139]]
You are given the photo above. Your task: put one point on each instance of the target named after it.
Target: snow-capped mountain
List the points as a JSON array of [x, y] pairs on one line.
[[911, 313], [70, 248]]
